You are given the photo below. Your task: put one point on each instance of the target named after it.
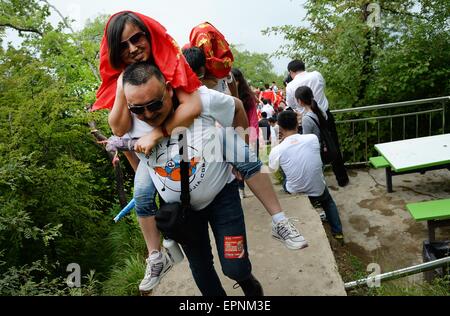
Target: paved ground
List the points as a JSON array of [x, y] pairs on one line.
[[282, 272], [377, 226]]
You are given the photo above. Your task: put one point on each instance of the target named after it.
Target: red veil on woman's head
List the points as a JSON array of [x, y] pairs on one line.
[[166, 54], [219, 58]]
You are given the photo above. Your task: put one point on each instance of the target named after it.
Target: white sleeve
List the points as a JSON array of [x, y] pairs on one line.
[[290, 97], [274, 159], [321, 79], [222, 108]]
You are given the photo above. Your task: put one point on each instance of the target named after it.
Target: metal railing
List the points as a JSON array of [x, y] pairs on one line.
[[357, 126], [399, 273]]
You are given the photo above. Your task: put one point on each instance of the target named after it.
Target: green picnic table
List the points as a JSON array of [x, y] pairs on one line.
[[413, 155]]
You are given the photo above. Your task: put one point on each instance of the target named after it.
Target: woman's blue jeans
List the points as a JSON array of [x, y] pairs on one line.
[[144, 192]]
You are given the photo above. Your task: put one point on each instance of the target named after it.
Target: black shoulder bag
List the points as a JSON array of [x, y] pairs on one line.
[[328, 150], [177, 221]]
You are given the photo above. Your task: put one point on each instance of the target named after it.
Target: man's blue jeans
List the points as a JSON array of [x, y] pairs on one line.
[[330, 208], [226, 218], [283, 180]]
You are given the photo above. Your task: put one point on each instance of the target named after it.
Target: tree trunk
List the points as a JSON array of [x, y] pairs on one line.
[[117, 170], [367, 60]]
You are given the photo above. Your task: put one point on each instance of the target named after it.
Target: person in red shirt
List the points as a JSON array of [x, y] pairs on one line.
[[278, 99], [268, 94]]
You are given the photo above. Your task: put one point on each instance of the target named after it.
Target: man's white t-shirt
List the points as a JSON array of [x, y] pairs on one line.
[[274, 133], [208, 176], [315, 82], [299, 157], [268, 109], [222, 84]]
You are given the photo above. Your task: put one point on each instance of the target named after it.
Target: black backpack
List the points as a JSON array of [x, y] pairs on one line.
[[328, 149]]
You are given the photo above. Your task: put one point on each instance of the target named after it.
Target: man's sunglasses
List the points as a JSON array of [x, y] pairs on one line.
[[151, 106], [134, 40]]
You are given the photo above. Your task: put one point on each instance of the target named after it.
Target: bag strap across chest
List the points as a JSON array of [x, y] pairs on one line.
[[184, 168]]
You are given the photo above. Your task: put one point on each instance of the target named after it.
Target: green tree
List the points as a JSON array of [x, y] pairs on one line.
[[256, 67], [56, 184], [405, 58]]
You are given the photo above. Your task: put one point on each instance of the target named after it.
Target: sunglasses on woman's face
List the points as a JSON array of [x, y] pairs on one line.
[[151, 106], [134, 40]]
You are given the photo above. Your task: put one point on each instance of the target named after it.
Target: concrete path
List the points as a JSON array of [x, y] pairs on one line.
[[377, 227], [282, 272]]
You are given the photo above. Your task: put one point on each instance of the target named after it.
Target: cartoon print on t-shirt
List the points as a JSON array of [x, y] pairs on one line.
[[172, 169], [169, 171]]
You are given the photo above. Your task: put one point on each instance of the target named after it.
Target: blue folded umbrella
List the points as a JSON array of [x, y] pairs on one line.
[[127, 209]]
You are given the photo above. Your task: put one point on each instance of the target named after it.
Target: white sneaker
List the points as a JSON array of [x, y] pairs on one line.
[[287, 233], [157, 268]]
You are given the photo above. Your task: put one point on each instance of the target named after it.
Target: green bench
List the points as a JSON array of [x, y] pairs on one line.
[[379, 162], [436, 213]]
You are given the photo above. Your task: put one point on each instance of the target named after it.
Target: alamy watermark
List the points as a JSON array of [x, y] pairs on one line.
[[374, 280], [215, 144], [74, 278], [374, 18]]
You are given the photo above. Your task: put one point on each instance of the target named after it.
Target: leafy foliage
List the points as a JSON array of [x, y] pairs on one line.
[[125, 278], [405, 58], [56, 184]]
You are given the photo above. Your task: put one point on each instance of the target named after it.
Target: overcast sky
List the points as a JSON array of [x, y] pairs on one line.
[[241, 21]]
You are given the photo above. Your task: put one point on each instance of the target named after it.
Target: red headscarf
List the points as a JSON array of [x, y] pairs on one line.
[[166, 54], [219, 58]]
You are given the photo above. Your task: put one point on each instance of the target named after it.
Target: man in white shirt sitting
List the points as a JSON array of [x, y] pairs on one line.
[[315, 81], [299, 158]]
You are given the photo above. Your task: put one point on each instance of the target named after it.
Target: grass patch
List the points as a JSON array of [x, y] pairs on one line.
[[128, 251], [278, 177], [264, 152], [125, 278], [352, 268], [439, 287]]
